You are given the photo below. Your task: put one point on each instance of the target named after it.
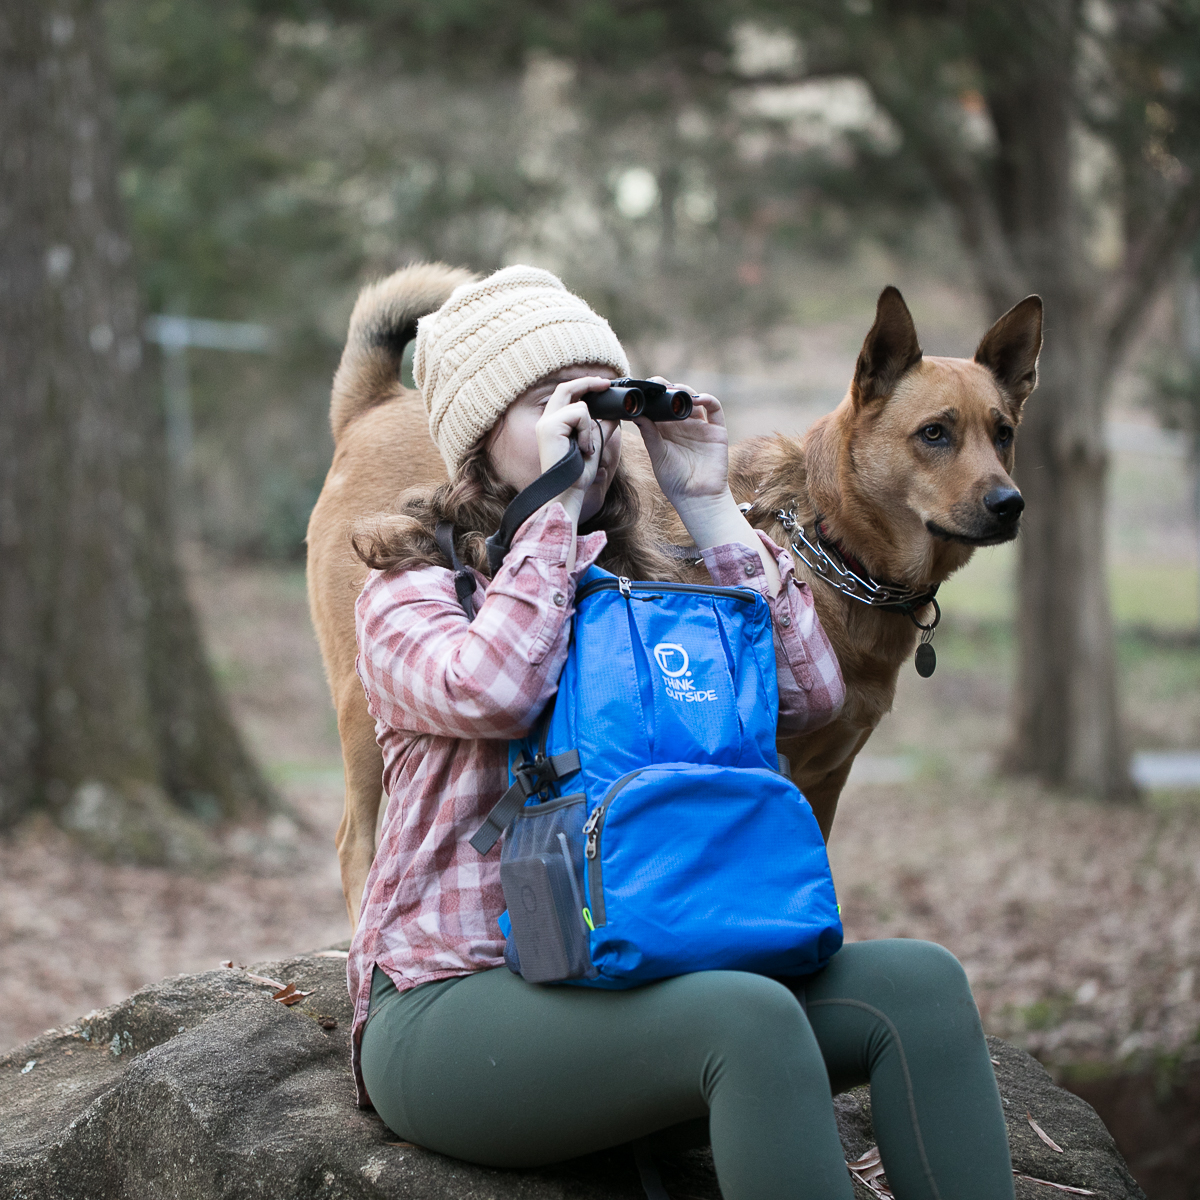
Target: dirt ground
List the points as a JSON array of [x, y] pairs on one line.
[[1079, 924], [77, 934]]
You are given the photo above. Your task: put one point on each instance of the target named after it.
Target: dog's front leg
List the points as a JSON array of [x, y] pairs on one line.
[[822, 788]]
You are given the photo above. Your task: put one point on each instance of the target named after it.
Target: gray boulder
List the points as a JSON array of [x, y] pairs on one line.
[[203, 1087]]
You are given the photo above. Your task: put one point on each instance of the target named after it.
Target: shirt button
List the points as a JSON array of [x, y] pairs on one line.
[[785, 621], [559, 599], [750, 568]]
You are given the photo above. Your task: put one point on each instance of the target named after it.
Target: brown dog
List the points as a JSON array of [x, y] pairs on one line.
[[381, 446], [910, 508], [906, 477]]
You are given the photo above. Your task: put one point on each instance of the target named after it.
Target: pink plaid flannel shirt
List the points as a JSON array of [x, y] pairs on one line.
[[446, 697]]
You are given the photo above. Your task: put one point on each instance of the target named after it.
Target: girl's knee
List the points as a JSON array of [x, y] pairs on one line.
[[750, 1012], [898, 975], [934, 964], [933, 985], [755, 1036]]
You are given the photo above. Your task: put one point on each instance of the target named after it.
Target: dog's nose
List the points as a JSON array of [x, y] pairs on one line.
[[1004, 502]]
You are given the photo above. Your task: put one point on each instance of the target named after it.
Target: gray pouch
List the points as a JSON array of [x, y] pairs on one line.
[[539, 875]]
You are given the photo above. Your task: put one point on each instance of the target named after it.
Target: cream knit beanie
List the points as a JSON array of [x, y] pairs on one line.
[[493, 339]]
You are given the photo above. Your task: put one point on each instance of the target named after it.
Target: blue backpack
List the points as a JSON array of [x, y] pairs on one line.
[[648, 828]]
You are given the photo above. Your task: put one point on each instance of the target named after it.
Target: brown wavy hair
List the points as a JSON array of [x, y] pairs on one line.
[[475, 501]]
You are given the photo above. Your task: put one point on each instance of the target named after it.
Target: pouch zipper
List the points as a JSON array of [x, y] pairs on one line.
[[627, 586], [592, 830]]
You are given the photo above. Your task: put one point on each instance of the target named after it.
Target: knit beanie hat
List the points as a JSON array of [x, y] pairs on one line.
[[494, 339]]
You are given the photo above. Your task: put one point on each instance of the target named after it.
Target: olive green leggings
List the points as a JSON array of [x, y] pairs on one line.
[[506, 1073]]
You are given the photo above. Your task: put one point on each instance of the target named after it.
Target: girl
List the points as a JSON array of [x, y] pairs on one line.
[[455, 1052]]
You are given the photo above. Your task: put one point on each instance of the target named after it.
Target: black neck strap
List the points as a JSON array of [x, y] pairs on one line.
[[464, 580], [524, 504]]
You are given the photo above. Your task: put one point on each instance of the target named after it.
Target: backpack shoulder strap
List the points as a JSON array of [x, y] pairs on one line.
[[464, 579], [523, 505]]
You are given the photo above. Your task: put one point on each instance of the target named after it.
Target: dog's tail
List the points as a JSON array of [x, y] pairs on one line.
[[383, 322]]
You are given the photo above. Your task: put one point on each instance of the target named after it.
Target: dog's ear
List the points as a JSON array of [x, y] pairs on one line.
[[1010, 349], [889, 350]]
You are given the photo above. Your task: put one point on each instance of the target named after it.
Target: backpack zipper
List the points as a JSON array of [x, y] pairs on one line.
[[592, 829], [627, 586]]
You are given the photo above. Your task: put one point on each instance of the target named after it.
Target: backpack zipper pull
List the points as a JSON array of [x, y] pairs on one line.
[[625, 586], [589, 832]]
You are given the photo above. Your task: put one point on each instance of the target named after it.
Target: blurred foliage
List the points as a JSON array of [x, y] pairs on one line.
[[971, 88], [278, 154], [673, 160]]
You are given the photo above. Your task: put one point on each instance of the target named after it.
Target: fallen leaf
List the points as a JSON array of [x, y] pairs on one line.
[[1042, 1133], [1062, 1187], [869, 1159], [406, 1145], [333, 954], [289, 994], [328, 1022], [265, 980], [868, 1170], [995, 1062], [228, 964]]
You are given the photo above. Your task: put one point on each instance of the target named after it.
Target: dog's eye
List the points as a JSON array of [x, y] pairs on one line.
[[1004, 435], [933, 433]]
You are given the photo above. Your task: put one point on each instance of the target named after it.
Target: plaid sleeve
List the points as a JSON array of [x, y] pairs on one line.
[[425, 669], [811, 690]]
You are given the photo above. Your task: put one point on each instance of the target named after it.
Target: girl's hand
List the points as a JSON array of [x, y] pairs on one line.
[[565, 417], [691, 463], [690, 458]]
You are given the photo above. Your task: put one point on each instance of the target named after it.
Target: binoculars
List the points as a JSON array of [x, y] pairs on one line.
[[629, 398]]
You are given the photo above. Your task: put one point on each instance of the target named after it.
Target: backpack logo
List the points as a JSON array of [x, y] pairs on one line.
[[673, 662], [672, 659]]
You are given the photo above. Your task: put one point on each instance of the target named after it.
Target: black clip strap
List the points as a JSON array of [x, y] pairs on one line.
[[525, 503], [501, 816], [531, 777], [464, 579]]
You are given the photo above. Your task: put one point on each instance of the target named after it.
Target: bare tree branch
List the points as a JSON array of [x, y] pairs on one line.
[[959, 182], [1147, 266], [982, 233]]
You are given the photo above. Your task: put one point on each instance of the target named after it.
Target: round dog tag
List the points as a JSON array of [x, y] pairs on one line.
[[926, 660]]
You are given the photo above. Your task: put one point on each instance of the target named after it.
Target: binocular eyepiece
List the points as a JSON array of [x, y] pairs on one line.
[[630, 398]]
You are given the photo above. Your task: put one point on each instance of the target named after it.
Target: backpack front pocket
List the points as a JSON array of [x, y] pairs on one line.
[[693, 868]]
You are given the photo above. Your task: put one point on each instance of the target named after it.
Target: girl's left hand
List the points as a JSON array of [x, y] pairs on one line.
[[690, 458], [691, 463]]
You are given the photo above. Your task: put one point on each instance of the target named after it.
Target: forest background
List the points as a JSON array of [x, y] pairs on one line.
[[731, 183]]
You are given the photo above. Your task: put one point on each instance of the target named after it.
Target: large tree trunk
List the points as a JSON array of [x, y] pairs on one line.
[[1067, 726], [109, 713]]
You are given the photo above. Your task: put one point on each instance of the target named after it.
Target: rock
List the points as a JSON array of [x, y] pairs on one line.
[[202, 1087]]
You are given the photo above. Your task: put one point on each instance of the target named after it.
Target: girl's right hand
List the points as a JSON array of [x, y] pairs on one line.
[[565, 417]]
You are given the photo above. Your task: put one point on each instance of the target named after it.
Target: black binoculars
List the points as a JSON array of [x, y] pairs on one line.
[[629, 398]]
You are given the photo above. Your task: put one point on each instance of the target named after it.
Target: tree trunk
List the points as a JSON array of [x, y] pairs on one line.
[[1067, 726], [110, 714]]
